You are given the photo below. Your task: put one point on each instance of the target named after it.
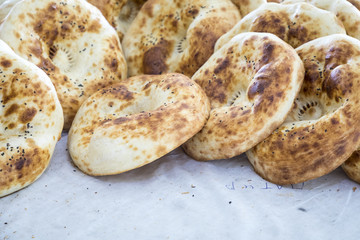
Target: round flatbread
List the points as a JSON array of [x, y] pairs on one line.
[[31, 121], [135, 122], [251, 82], [72, 42], [348, 14], [176, 36], [321, 131], [295, 23]]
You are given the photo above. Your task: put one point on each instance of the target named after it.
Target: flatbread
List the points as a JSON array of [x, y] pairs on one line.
[[321, 132], [348, 14], [295, 23], [251, 83], [135, 122], [31, 121], [176, 36], [72, 42]]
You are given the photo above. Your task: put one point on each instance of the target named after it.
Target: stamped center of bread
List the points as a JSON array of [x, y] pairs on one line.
[[146, 104], [309, 110], [61, 57], [180, 45], [238, 98], [154, 99]]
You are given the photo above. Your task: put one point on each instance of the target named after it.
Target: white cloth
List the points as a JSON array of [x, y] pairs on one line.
[[176, 197]]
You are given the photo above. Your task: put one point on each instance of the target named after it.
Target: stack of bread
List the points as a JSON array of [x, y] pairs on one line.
[[131, 80]]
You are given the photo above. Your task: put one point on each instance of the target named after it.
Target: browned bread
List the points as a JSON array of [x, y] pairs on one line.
[[251, 83], [176, 36], [321, 132], [135, 122], [295, 23], [348, 14], [31, 121], [72, 42]]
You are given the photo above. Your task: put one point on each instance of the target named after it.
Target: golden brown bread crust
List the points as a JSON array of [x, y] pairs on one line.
[[162, 40], [251, 84], [320, 132], [119, 13], [72, 42], [31, 121], [135, 122]]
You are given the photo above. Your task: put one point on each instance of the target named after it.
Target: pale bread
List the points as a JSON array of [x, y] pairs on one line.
[[72, 42], [119, 13], [31, 121], [251, 82], [135, 122], [5, 7], [294, 23], [176, 36], [321, 131]]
